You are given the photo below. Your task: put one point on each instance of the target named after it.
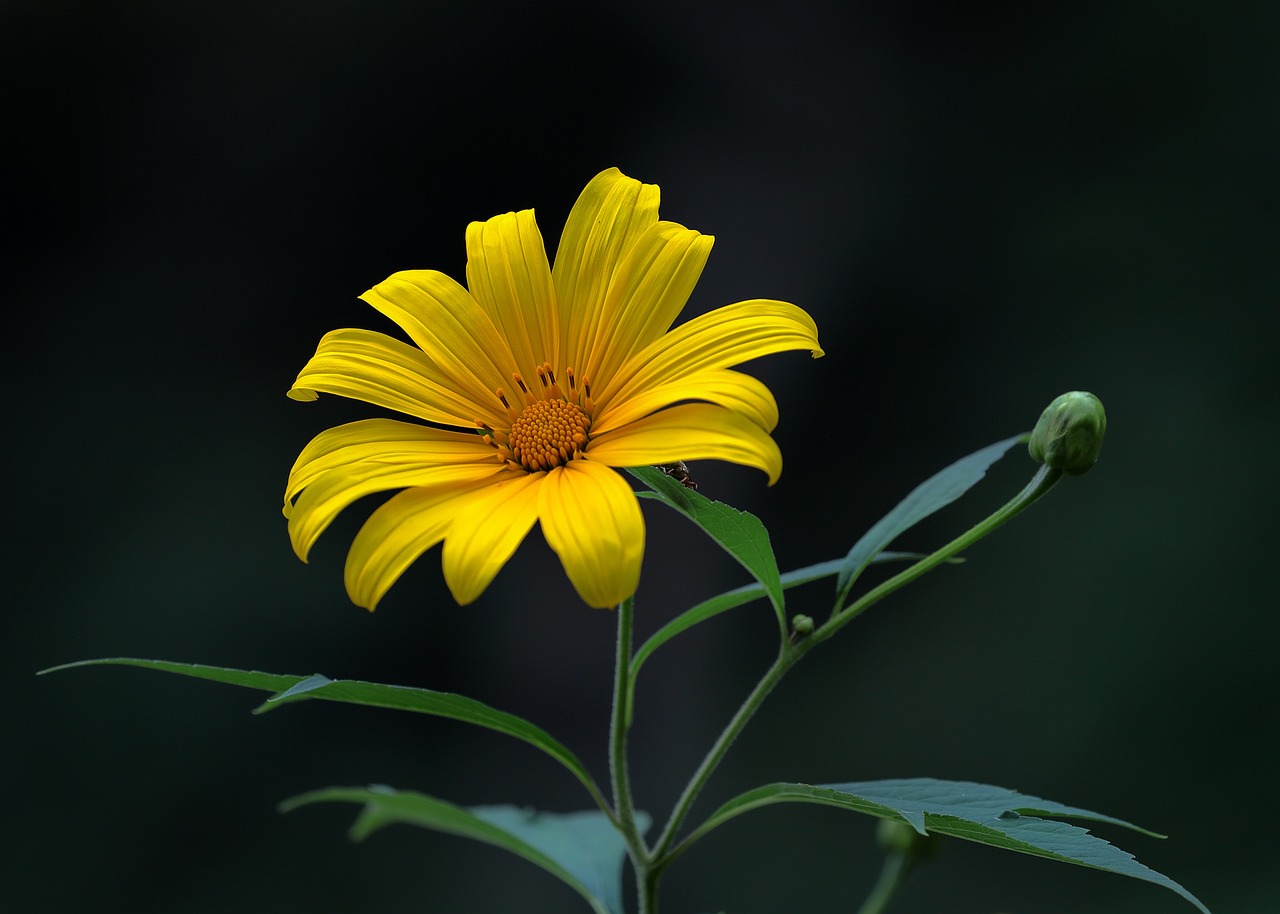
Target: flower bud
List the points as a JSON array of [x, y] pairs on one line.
[[1069, 435], [901, 838], [801, 625]]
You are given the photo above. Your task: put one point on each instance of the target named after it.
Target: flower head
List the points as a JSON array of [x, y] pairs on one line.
[[559, 375]]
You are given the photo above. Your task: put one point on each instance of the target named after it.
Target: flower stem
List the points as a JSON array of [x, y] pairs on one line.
[[787, 657], [619, 770], [1042, 482], [897, 865], [650, 863]]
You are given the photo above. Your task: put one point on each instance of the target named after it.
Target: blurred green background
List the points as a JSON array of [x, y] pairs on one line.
[[982, 205]]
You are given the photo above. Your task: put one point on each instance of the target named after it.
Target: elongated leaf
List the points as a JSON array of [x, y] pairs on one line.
[[583, 849], [586, 844], [989, 815], [709, 609], [289, 689], [934, 493], [731, 599], [739, 533]]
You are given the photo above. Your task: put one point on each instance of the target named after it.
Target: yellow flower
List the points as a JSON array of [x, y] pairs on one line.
[[559, 374]]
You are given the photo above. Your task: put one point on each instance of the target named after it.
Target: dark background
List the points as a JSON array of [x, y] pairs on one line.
[[982, 206]]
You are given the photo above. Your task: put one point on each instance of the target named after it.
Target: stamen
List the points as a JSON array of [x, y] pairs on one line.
[[547, 377], [549, 429], [512, 413], [548, 433], [529, 398]]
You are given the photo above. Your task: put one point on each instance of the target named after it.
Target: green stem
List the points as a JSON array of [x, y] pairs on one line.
[[649, 871], [1042, 482], [619, 770], [787, 657], [897, 865]]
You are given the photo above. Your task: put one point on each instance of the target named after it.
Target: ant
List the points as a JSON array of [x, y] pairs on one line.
[[679, 472]]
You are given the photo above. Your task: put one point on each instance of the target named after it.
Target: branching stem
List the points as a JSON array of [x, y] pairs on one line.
[[650, 863]]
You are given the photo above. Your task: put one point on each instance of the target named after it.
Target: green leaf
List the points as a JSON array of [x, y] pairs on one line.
[[731, 599], [988, 815], [739, 533], [289, 689], [934, 493], [709, 609], [583, 849]]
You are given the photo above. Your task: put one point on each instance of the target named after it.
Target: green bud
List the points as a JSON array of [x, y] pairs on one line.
[[802, 625], [901, 838], [1069, 435]]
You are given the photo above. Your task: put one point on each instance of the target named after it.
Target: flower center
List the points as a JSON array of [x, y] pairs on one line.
[[550, 429], [548, 433]]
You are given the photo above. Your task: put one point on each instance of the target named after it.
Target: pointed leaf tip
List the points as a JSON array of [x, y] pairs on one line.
[[930, 496], [288, 689], [739, 533], [582, 849], [995, 816], [294, 692]]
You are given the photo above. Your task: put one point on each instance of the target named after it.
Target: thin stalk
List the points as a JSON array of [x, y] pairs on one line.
[[897, 865], [790, 652], [1042, 482], [619, 770], [787, 657]]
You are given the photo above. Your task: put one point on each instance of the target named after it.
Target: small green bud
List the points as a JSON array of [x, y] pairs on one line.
[[802, 625], [901, 838], [1069, 435]]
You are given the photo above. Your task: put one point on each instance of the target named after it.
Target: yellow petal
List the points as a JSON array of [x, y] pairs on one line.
[[450, 327], [592, 520], [385, 441], [652, 285], [396, 534], [733, 390], [484, 536], [692, 431], [508, 273], [381, 370], [718, 339], [346, 463], [612, 211]]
